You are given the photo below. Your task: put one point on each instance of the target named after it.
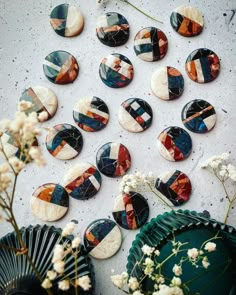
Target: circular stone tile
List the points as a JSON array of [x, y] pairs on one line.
[[82, 181], [150, 44], [135, 115], [91, 114], [50, 202], [202, 65], [113, 159], [131, 210], [175, 186], [67, 20], [64, 141], [174, 144], [102, 238], [112, 29], [116, 70], [187, 21], [198, 116], [43, 99], [60, 67], [167, 83]]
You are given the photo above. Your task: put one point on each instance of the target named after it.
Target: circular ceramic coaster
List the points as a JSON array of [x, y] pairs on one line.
[[135, 115], [175, 186], [187, 21], [167, 83], [131, 210], [150, 44], [102, 238], [174, 144], [82, 181], [50, 202], [60, 67], [202, 65], [67, 20], [113, 159], [91, 114], [64, 141], [112, 29], [198, 116], [116, 70]]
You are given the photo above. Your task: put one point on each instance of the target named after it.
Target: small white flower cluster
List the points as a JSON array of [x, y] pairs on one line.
[[169, 290], [196, 255], [5, 178]]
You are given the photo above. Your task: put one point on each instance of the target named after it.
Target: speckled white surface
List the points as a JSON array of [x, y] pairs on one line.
[[27, 37]]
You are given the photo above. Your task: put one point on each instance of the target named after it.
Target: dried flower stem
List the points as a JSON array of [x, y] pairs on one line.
[[153, 191]]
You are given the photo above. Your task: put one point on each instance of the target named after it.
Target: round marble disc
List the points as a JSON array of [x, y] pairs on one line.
[[150, 44], [112, 29], [116, 70], [202, 65], [43, 99], [175, 186], [102, 238], [135, 115], [167, 83], [67, 20], [64, 141], [60, 67], [131, 210], [82, 181], [174, 144], [198, 116], [187, 21], [113, 159], [50, 202], [91, 114]]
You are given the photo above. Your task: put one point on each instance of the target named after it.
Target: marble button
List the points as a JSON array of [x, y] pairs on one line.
[[198, 116], [113, 159], [112, 29], [116, 70], [50, 202], [150, 44], [64, 141], [202, 65], [67, 20], [102, 238], [82, 181], [167, 83], [60, 67], [175, 186], [91, 114], [135, 115], [174, 144], [131, 210], [187, 21]]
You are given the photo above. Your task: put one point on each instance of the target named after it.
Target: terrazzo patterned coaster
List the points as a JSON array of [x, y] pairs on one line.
[[167, 83], [82, 181], [135, 115], [60, 67], [112, 29], [91, 114], [202, 65], [131, 210], [175, 186], [198, 116], [187, 21], [150, 44], [113, 159], [102, 238], [64, 141], [174, 144], [116, 70], [67, 20], [49, 202]]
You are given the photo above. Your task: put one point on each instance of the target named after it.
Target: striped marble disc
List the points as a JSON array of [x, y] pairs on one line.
[[50, 202], [102, 238]]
